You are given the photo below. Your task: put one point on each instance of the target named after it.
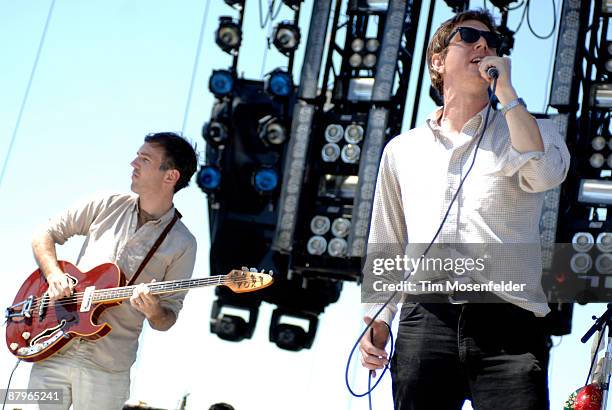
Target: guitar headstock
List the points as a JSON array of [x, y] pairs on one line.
[[248, 280]]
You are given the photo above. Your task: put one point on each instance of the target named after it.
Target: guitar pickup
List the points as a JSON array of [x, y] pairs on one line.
[[87, 298]]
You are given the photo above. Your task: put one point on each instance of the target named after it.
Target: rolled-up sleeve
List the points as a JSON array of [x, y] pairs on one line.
[[180, 268], [540, 171], [75, 220], [388, 233]]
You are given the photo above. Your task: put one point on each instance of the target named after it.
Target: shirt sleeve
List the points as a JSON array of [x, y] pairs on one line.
[[75, 220], [180, 268], [388, 235], [540, 171]]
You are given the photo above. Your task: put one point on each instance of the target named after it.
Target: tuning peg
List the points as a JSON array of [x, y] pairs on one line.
[[244, 268], [270, 272], [253, 270]]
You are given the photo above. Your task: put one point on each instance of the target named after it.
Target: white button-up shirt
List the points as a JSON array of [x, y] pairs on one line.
[[499, 203]]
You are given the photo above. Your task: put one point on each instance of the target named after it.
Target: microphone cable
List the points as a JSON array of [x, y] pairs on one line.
[[493, 73]]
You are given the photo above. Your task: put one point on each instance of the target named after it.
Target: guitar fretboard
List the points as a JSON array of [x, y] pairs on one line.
[[125, 292]]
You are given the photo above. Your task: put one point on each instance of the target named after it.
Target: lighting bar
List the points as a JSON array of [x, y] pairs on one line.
[[595, 191], [565, 57], [601, 95]]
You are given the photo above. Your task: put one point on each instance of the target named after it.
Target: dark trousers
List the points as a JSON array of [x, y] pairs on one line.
[[494, 354]]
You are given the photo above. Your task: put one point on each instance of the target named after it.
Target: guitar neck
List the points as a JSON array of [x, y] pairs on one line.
[[157, 288]]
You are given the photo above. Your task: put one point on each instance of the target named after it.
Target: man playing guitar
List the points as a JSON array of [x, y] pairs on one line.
[[122, 229]]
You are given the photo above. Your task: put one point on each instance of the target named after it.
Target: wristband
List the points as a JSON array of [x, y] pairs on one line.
[[514, 103]]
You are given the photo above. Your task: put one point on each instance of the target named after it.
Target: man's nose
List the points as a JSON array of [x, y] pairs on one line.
[[481, 43]]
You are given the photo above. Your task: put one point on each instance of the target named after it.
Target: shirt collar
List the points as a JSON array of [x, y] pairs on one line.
[[163, 219], [471, 127]]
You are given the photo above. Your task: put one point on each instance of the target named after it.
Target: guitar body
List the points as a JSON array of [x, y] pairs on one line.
[[41, 328]]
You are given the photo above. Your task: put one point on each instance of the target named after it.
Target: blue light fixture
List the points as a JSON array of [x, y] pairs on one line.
[[279, 83], [221, 83], [265, 180], [209, 178]]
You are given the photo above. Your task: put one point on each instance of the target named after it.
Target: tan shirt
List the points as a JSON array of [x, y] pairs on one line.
[[109, 225], [500, 201]]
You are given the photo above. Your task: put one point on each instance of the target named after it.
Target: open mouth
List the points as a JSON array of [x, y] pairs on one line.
[[476, 60]]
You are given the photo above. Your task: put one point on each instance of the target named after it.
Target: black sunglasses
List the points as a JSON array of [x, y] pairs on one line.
[[471, 35]]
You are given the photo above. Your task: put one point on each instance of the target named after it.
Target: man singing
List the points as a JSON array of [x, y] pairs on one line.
[[449, 350]]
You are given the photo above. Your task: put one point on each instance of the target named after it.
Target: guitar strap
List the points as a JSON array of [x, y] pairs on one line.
[[162, 236]]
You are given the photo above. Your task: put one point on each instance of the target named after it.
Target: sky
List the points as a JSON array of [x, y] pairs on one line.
[[112, 71]]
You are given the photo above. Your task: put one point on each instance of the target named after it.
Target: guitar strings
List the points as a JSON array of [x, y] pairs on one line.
[[129, 290]]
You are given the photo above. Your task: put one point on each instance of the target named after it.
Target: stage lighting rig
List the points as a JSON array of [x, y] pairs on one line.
[[229, 35], [279, 83], [286, 37], [215, 133], [221, 83], [289, 336], [265, 180], [502, 4], [230, 327], [368, 6], [271, 131], [209, 178], [235, 3]]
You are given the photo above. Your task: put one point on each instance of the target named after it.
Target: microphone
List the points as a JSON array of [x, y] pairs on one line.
[[492, 72]]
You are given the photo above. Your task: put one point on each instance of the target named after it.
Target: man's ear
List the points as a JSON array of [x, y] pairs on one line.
[[437, 63], [172, 176]]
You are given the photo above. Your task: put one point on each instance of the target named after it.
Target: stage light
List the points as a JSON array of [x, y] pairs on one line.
[[595, 191], [565, 56], [583, 241], [209, 178], [333, 133], [330, 152], [597, 160], [369, 61], [350, 153], [357, 45], [598, 143], [286, 37], [337, 247], [289, 336], [581, 263], [265, 180], [372, 45], [353, 134], [355, 60], [608, 57], [601, 95], [221, 83], [215, 133], [271, 131], [604, 242], [316, 245], [319, 225], [341, 227], [360, 89], [606, 6], [603, 263], [228, 36], [230, 327], [279, 83]]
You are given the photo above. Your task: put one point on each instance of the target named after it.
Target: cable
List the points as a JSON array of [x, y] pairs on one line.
[[528, 5], [522, 19], [195, 67], [9, 381], [27, 92], [369, 325]]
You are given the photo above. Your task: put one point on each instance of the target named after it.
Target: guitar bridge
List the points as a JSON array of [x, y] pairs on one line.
[[20, 310]]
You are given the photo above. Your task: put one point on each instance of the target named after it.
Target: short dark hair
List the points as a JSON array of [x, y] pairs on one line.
[[438, 43], [179, 154]]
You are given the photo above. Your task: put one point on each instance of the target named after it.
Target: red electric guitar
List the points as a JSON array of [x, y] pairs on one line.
[[37, 327]]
